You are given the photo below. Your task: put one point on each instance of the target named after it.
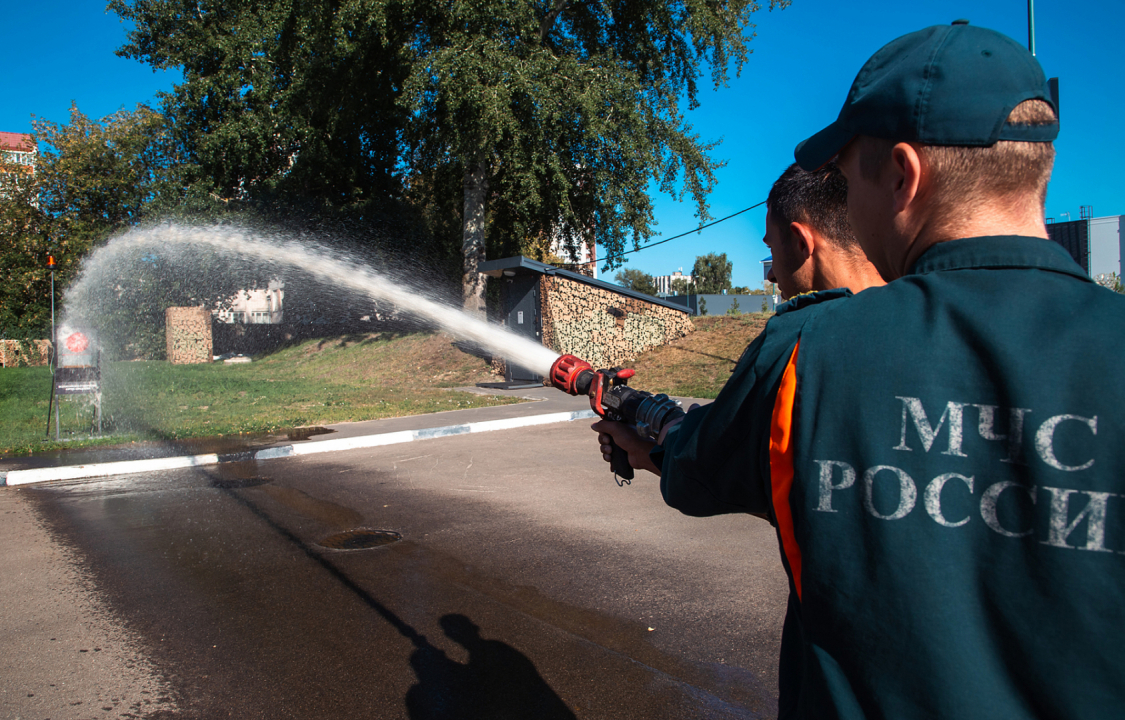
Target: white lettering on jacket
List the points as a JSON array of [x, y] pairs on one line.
[[1070, 518], [913, 413], [988, 507], [907, 492], [933, 498], [987, 424], [1059, 529], [847, 479], [1060, 526], [912, 409], [1045, 441]]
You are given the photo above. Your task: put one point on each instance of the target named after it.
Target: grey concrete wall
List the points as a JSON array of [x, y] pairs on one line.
[[720, 304]]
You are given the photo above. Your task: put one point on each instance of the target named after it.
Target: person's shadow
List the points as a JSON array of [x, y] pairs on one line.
[[497, 683]]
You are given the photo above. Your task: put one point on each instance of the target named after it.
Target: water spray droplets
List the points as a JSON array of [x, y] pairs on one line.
[[181, 244]]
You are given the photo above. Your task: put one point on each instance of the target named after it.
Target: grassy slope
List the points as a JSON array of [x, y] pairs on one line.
[[698, 364], [359, 377]]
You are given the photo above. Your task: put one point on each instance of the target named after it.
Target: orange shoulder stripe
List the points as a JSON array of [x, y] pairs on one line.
[[781, 467]]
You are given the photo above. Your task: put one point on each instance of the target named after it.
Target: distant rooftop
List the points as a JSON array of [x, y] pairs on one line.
[[18, 142], [519, 265]]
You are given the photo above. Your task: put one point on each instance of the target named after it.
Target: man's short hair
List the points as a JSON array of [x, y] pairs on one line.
[[818, 199], [966, 177]]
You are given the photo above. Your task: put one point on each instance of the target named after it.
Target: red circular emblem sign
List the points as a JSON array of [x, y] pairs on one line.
[[77, 342]]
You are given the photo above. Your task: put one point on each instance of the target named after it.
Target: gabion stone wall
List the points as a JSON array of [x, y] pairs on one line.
[[14, 353], [602, 327], [188, 331]]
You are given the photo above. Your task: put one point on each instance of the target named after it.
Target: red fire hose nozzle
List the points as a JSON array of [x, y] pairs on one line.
[[565, 371]]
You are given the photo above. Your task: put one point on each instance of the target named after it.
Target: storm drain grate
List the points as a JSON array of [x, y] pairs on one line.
[[359, 539]]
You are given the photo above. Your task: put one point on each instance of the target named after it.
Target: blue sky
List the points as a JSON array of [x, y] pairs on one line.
[[804, 59]]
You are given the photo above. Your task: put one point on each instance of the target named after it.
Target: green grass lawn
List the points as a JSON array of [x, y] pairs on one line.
[[360, 377]]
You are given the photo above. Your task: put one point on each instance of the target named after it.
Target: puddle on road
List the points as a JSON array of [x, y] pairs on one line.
[[334, 515], [304, 433]]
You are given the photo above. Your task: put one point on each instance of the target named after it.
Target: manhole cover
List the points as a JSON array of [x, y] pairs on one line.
[[359, 539]]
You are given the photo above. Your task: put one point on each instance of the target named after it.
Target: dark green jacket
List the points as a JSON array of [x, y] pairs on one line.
[[954, 531]]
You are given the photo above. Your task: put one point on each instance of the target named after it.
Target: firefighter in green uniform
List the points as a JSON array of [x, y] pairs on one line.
[[942, 456]]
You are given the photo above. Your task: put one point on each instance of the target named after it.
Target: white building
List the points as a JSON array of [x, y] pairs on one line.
[[1097, 244], [255, 307], [583, 259], [1107, 245], [664, 282]]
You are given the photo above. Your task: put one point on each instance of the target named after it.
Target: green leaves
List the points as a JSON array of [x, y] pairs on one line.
[[711, 274], [573, 108], [286, 96], [91, 178], [636, 280]]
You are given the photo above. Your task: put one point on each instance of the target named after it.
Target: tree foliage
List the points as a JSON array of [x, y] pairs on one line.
[[711, 274], [96, 177], [283, 96], [637, 280], [25, 281], [91, 178], [522, 120], [558, 114]]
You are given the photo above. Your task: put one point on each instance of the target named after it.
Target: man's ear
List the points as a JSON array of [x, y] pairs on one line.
[[906, 175], [803, 238]]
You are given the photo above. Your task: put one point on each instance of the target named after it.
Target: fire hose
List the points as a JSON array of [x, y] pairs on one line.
[[613, 399]]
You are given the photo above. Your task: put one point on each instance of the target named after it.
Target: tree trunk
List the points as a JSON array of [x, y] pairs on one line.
[[472, 238]]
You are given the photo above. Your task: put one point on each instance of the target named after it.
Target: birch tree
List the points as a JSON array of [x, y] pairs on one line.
[[555, 115]]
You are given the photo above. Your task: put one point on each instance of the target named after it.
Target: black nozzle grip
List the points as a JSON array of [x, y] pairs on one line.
[[619, 462]]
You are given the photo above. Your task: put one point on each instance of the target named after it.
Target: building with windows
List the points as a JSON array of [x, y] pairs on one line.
[[664, 282], [18, 149], [255, 307], [18, 154], [582, 258]]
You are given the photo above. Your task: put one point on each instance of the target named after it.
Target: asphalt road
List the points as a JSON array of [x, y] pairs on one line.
[[526, 584]]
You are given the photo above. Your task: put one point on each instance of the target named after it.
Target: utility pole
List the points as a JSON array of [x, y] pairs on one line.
[[51, 263], [1052, 83]]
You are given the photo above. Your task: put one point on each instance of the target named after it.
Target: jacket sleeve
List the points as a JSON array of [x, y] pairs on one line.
[[716, 460], [713, 462]]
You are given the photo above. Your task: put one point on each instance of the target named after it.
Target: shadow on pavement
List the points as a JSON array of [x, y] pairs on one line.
[[498, 681]]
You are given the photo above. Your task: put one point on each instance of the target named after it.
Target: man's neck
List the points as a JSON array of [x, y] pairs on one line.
[[984, 222], [841, 269]]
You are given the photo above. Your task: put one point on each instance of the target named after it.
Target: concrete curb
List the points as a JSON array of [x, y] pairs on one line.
[[76, 472]]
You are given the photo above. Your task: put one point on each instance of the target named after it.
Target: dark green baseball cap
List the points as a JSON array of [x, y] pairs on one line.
[[944, 85]]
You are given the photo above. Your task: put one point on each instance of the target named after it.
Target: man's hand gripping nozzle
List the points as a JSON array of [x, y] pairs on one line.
[[612, 398]]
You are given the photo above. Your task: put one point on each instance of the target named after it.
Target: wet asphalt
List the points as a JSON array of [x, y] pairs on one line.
[[526, 584]]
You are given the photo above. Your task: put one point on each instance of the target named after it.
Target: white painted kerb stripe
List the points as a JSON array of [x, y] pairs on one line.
[[75, 472]]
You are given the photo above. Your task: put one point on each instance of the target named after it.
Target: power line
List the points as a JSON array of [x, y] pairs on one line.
[[675, 237]]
